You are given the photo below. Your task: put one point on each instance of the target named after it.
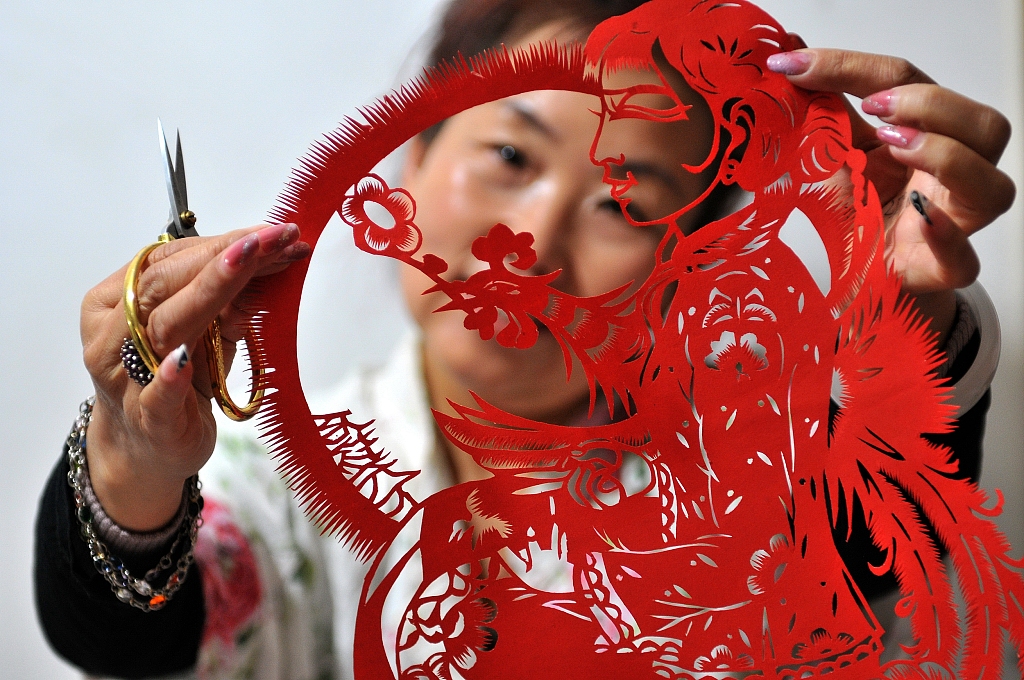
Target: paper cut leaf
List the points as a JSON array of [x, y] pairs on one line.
[[693, 534]]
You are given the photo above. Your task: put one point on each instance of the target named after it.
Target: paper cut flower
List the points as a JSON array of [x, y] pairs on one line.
[[769, 565], [822, 645], [401, 235], [500, 242], [722, 659], [746, 356]]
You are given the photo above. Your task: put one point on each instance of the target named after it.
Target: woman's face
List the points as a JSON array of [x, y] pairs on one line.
[[526, 162]]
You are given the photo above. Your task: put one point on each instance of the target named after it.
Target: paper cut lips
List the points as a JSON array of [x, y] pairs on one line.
[[694, 535]]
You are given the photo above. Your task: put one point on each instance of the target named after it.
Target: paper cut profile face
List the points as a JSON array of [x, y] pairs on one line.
[[742, 414]]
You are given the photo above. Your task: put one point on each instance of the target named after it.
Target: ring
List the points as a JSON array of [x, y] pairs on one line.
[[133, 363], [141, 361]]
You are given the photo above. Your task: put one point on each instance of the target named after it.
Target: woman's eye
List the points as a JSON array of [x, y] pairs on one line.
[[512, 156]]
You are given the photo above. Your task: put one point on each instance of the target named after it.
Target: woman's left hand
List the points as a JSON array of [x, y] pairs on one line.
[[933, 165]]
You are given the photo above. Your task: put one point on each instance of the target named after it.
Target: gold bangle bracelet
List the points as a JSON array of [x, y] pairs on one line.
[[212, 339]]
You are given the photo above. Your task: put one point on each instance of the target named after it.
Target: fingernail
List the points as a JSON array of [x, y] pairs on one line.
[[277, 237], [296, 251], [880, 104], [920, 203], [182, 352], [900, 137], [175, 361], [789, 63], [241, 251]]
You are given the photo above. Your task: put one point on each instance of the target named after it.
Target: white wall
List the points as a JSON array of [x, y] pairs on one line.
[[251, 85]]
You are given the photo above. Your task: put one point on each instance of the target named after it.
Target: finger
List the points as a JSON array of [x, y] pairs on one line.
[[293, 253], [978, 192], [235, 319], [172, 415], [936, 109], [811, 70], [888, 175], [108, 293], [949, 261], [862, 132], [173, 270], [215, 243], [856, 73], [185, 315], [165, 402]]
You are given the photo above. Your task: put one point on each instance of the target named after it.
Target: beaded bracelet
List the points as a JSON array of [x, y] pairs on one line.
[[139, 593]]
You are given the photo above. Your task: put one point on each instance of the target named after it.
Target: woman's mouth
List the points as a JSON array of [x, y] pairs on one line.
[[619, 187]]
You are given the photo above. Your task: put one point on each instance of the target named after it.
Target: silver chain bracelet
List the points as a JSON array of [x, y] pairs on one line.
[[139, 593]]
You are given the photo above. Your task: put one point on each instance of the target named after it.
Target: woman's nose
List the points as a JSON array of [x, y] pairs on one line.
[[549, 217]]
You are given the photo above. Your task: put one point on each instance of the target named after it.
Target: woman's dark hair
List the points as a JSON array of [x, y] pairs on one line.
[[469, 27]]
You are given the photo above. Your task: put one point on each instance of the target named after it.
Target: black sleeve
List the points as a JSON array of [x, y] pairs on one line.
[[964, 441], [83, 620]]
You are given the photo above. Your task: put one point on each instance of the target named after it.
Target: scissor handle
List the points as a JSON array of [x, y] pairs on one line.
[[212, 338], [131, 305], [218, 376]]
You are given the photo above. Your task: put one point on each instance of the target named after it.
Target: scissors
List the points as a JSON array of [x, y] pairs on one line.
[[182, 224]]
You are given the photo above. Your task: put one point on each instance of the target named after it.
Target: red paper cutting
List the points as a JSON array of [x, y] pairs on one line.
[[722, 561]]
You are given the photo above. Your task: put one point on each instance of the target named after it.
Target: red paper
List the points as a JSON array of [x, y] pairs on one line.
[[722, 562]]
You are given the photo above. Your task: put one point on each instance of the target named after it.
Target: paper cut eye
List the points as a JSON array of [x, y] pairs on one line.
[[646, 102]]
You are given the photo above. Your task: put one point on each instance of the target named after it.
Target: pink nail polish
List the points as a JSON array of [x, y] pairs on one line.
[[900, 137], [241, 251], [276, 237], [880, 104], [294, 252], [789, 63]]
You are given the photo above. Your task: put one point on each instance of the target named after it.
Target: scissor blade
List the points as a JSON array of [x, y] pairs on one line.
[[175, 177], [179, 175], [174, 219]]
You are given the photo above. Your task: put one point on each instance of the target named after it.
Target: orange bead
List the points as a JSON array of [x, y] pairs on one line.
[[157, 600]]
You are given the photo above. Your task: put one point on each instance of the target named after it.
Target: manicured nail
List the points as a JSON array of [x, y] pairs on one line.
[[294, 252], [241, 251], [277, 237], [900, 137], [920, 203], [880, 104], [182, 353], [789, 63], [175, 362]]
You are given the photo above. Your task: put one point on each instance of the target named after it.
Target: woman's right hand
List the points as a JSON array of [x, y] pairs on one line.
[[144, 443]]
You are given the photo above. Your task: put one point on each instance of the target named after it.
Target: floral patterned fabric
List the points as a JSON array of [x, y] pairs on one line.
[[280, 598]]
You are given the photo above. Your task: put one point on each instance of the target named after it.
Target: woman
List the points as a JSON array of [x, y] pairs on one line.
[[144, 443]]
